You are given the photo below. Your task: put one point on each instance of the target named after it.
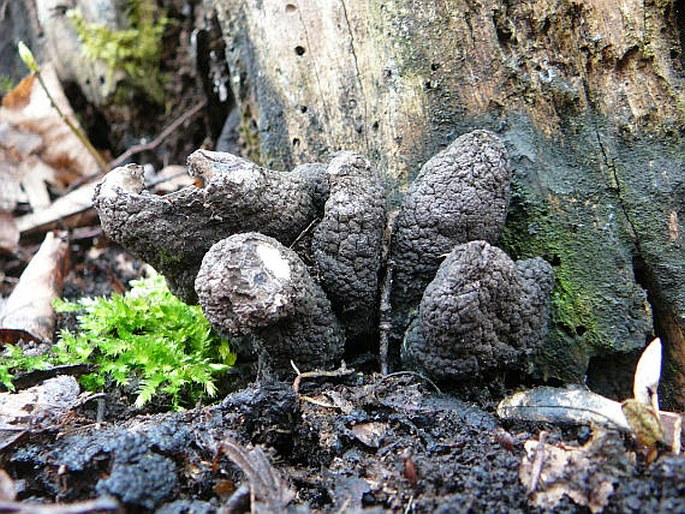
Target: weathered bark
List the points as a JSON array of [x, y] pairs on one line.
[[588, 98]]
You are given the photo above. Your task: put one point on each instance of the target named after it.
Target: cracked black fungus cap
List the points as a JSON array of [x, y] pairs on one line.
[[482, 312], [460, 195]]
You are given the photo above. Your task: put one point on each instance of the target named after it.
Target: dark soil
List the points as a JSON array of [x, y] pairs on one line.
[[344, 445], [358, 441]]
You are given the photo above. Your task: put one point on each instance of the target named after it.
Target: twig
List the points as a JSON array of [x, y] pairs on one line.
[[410, 505], [407, 372], [72, 126], [385, 307], [303, 233], [318, 402], [340, 372], [538, 462], [385, 315], [136, 149], [27, 56]]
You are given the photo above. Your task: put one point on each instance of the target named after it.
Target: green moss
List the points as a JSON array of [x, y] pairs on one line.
[[134, 51], [147, 340], [531, 231]]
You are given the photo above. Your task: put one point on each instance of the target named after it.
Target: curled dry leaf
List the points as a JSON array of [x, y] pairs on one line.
[[38, 406], [268, 491], [644, 422], [28, 312], [647, 375], [585, 474], [572, 405]]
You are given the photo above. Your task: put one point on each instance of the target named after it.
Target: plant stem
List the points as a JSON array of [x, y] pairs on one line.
[[77, 132]]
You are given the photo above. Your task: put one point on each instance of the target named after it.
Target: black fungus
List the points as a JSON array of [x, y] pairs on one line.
[[346, 244], [172, 233], [252, 284], [460, 195], [482, 312]]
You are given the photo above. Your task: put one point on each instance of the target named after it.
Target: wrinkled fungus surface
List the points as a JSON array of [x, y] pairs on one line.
[[347, 242], [481, 312], [251, 284], [295, 259], [460, 195]]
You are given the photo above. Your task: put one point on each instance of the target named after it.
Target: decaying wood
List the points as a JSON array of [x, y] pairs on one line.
[[28, 313], [65, 211], [585, 95]]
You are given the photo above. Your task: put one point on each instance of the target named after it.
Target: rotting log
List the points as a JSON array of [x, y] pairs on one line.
[[588, 97]]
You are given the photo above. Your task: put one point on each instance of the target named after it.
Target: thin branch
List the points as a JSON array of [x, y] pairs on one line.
[[340, 372], [136, 149], [538, 462]]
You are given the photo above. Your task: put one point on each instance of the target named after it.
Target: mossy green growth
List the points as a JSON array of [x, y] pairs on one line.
[[532, 231], [135, 51], [6, 84], [147, 338]]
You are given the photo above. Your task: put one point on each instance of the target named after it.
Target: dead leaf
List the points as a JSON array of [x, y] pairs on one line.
[[644, 422], [585, 474], [39, 406], [19, 97], [647, 375], [28, 312], [39, 117], [571, 405], [268, 490], [371, 434], [20, 143]]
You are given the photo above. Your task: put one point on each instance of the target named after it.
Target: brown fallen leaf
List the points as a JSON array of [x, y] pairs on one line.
[[644, 422], [38, 406], [585, 474], [61, 148], [19, 97], [268, 491], [28, 312]]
